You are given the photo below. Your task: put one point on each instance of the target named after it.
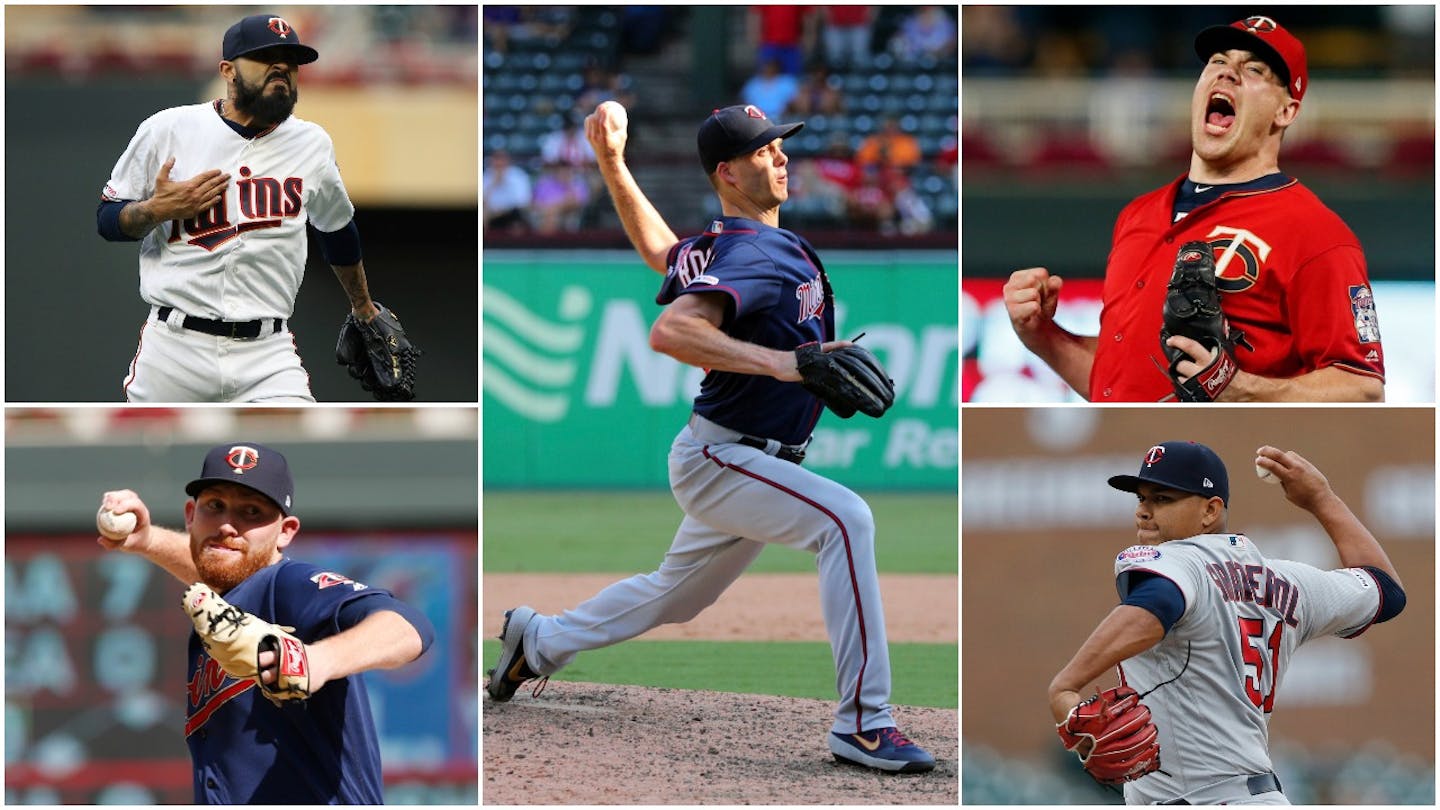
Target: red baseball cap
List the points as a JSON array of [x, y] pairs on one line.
[[1265, 38]]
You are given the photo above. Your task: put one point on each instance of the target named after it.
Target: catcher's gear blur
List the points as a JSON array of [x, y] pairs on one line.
[[235, 640], [1124, 740], [1192, 309], [846, 379], [378, 354]]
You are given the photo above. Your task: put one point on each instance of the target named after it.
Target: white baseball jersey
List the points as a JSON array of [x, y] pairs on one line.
[[244, 258], [1244, 616]]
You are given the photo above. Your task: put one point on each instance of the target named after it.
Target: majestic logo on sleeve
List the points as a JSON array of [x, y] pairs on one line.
[[265, 202], [811, 296], [1240, 255], [242, 458], [1362, 306]]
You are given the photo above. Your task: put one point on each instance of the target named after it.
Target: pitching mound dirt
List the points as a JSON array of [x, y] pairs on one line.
[[582, 743]]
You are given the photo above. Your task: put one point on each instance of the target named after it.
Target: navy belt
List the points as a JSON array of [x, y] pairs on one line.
[[239, 330], [786, 452], [1257, 784]]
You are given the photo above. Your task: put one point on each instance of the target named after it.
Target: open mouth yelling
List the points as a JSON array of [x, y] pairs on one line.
[[1219, 114]]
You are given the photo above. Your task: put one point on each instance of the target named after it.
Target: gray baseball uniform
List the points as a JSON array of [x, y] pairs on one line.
[[729, 473], [1218, 670]]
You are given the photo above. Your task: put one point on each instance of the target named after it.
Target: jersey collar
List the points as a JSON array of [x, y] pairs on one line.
[[248, 133]]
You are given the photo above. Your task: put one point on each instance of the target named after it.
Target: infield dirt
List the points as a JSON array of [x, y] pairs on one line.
[[586, 743], [581, 743]]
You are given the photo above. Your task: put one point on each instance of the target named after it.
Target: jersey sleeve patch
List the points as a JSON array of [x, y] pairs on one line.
[[1135, 555], [328, 579], [1362, 308]]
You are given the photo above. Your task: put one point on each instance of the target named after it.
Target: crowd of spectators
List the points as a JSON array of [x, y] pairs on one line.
[[864, 179], [1141, 40], [802, 52]]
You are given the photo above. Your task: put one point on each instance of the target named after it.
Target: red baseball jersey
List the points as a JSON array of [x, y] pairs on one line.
[[1292, 276]]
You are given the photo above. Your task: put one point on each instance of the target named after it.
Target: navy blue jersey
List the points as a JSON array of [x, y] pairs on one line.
[[779, 297], [247, 750]]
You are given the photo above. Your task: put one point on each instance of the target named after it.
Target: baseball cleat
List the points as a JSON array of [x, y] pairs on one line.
[[511, 670], [884, 749]]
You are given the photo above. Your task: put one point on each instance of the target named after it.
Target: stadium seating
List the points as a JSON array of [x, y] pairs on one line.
[[531, 88]]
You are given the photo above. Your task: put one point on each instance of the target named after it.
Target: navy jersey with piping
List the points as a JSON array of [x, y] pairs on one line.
[[779, 297], [324, 750]]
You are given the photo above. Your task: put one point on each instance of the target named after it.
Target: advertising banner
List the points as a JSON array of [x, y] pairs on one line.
[[575, 396]]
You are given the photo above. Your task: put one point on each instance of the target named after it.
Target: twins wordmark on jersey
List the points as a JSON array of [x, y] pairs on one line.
[[210, 687], [811, 296], [264, 203]]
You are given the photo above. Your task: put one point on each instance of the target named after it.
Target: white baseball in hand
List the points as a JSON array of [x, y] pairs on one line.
[[614, 115], [1265, 475], [115, 525]]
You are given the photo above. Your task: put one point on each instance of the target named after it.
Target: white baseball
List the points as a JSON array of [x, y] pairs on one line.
[[115, 525], [615, 116], [1265, 475]]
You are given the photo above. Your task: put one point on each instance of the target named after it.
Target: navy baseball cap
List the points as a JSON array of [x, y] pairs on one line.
[[732, 131], [250, 465], [1187, 466], [1265, 38], [260, 31]]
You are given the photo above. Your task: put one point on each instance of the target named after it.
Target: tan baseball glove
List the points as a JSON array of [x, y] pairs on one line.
[[235, 640]]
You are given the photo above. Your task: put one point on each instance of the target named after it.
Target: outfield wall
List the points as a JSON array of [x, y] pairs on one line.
[[574, 396]]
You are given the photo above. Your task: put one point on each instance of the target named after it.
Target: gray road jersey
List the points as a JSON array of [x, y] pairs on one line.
[[1244, 616]]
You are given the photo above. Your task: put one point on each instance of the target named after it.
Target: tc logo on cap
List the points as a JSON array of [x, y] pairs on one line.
[[1261, 24], [753, 111], [281, 28], [1153, 455], [242, 458]]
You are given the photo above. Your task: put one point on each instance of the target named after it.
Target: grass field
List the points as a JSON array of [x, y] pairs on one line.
[[923, 674], [627, 531]]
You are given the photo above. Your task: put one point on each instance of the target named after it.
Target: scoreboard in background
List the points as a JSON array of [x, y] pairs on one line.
[[95, 670], [996, 368]]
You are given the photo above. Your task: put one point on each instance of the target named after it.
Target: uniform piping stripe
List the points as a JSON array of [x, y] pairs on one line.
[[1364, 372], [234, 690], [850, 561], [135, 361]]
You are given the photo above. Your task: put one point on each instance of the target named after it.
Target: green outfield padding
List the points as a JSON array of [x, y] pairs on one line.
[[628, 532], [923, 674]]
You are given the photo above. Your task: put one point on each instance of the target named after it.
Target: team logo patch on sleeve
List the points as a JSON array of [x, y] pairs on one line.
[[325, 579], [1137, 554], [1362, 306]]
